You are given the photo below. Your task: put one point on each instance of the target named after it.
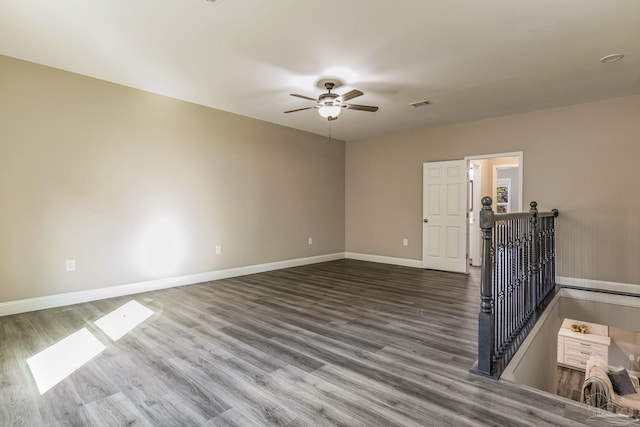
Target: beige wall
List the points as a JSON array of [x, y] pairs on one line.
[[612, 314], [623, 322], [623, 343], [108, 175], [87, 167], [581, 159], [535, 361]]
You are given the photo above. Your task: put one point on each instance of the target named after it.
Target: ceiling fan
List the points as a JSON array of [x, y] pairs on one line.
[[330, 104]]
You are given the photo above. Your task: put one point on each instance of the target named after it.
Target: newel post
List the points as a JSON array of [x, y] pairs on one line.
[[486, 331], [534, 265]]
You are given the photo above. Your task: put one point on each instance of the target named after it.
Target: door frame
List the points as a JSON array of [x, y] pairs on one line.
[[520, 156], [473, 245], [495, 180]]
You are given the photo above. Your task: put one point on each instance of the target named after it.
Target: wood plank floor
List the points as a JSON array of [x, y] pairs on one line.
[[347, 343], [569, 383]]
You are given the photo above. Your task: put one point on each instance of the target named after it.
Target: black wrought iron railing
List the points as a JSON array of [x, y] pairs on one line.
[[517, 281]]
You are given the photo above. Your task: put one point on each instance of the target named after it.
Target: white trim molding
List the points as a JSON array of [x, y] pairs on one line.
[[59, 300], [601, 297], [599, 285], [384, 259], [518, 154]]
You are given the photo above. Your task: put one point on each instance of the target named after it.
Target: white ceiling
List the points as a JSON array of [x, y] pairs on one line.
[[471, 58]]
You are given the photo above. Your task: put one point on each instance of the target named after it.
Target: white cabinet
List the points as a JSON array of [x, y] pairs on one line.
[[575, 348]]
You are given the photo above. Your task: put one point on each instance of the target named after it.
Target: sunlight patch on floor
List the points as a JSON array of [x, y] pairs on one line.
[[123, 319], [57, 362]]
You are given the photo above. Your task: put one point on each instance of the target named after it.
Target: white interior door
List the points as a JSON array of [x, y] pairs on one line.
[[444, 207]]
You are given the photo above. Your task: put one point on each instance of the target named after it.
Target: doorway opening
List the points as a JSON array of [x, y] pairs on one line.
[[498, 176]]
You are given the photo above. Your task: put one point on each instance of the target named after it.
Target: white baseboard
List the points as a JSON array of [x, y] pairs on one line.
[[384, 259], [630, 301], [59, 300], [599, 285]]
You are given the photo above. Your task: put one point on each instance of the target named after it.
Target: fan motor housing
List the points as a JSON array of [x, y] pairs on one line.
[[328, 98]]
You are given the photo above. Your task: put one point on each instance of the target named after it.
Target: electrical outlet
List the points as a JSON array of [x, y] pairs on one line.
[[218, 249], [310, 241], [405, 242], [631, 357], [71, 265]]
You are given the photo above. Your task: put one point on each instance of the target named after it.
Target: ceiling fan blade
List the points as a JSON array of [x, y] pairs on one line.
[[332, 118], [350, 95], [360, 107], [300, 109], [304, 97]]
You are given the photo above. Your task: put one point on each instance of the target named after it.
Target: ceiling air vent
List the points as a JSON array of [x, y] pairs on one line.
[[420, 104]]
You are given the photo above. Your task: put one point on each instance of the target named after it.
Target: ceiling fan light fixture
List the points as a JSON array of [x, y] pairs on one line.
[[330, 104], [327, 111]]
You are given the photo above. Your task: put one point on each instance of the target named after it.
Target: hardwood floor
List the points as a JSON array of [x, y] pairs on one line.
[[345, 343], [570, 383]]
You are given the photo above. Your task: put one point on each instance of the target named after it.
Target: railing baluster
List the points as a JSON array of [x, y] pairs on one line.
[[502, 312], [515, 273], [535, 245], [552, 222]]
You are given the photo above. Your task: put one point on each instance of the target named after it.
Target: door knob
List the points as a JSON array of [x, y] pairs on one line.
[[425, 220]]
